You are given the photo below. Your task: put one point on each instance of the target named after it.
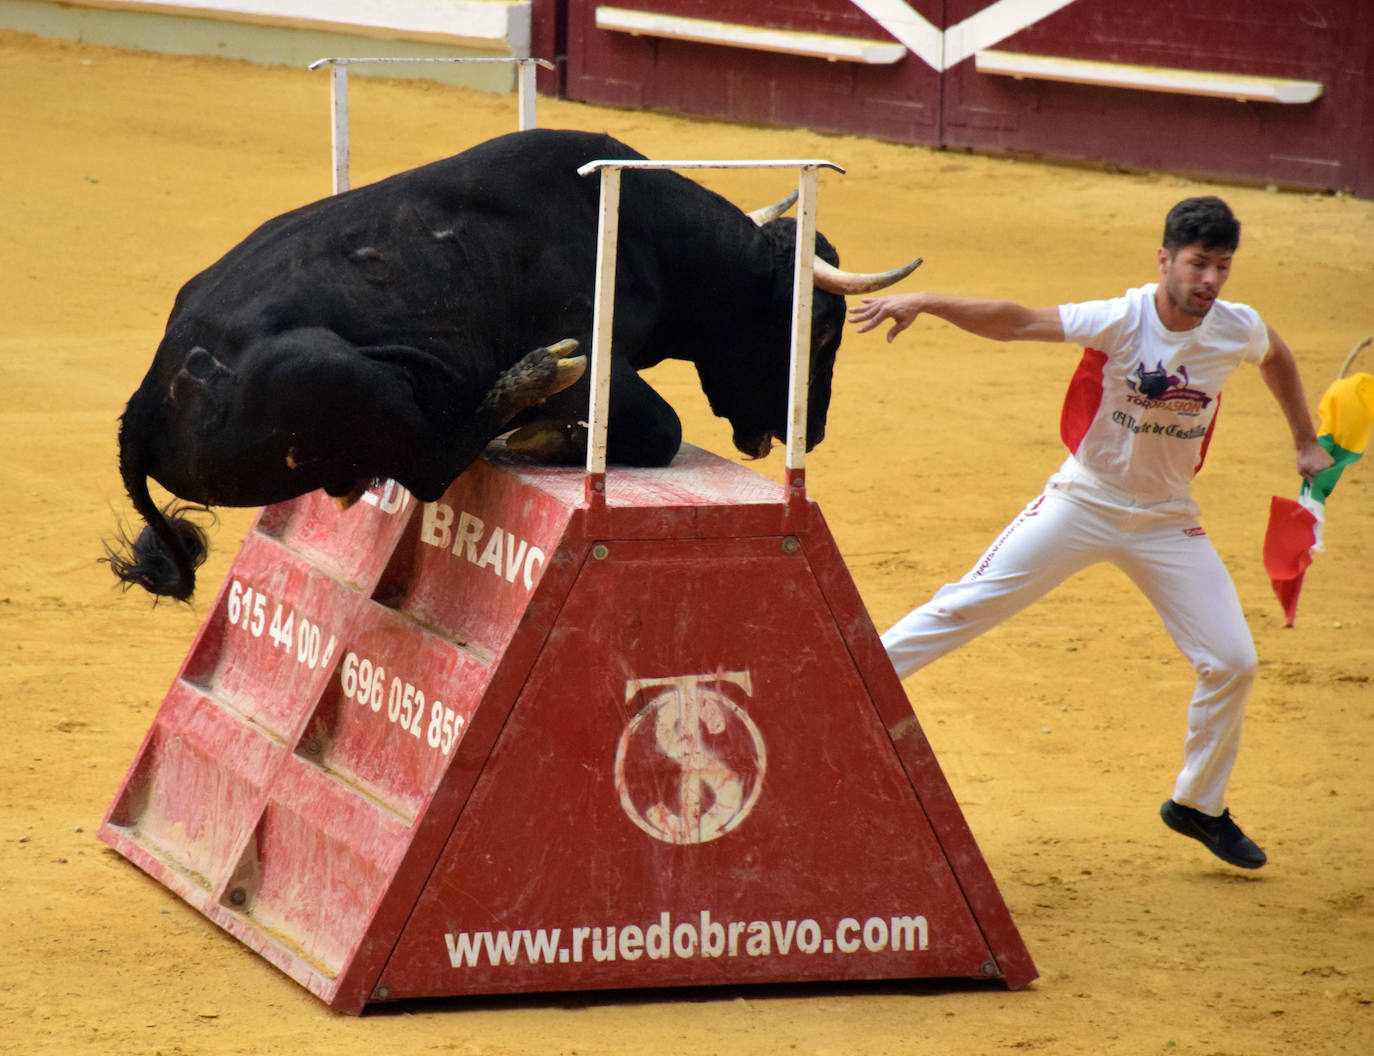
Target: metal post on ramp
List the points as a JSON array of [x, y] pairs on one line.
[[338, 99], [798, 392], [603, 316]]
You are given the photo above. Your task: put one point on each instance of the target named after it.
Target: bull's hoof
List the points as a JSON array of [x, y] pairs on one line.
[[536, 377], [548, 441], [568, 368]]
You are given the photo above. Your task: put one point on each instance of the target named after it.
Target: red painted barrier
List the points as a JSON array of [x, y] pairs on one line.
[[936, 95], [509, 742]]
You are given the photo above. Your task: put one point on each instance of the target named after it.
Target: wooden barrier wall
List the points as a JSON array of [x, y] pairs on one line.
[[1257, 91]]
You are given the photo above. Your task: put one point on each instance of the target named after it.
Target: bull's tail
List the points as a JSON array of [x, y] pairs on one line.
[[163, 558]]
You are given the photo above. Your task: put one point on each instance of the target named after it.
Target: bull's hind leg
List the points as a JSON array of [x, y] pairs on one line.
[[642, 427], [432, 461], [539, 375]]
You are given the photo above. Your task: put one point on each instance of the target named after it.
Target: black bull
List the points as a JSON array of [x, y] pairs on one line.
[[393, 331]]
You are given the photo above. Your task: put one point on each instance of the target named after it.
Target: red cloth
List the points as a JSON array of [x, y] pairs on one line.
[[1288, 543]]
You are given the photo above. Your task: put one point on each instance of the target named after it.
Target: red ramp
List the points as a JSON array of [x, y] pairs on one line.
[[511, 741]]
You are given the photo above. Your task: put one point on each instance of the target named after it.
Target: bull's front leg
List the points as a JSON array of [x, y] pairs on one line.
[[551, 441]]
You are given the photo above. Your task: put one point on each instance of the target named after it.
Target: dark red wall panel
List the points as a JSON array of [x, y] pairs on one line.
[[1325, 144], [1305, 145], [898, 101]]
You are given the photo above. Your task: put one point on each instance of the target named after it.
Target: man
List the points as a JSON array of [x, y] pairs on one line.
[[1137, 419]]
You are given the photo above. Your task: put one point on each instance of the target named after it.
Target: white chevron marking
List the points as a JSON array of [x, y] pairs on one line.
[[941, 50]]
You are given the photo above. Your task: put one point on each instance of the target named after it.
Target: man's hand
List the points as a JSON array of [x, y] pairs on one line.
[[1312, 459], [901, 308]]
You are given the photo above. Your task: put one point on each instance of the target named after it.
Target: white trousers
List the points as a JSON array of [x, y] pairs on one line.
[[1072, 525]]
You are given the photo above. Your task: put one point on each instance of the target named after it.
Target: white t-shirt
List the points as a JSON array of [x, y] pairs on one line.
[[1141, 407]]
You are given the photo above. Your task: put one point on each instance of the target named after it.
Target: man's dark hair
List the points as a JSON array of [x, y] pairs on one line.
[[1208, 220]]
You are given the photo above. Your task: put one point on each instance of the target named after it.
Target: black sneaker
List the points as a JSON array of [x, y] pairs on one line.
[[1221, 836]]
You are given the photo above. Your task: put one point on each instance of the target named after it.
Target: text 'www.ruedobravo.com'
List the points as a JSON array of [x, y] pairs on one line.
[[696, 937]]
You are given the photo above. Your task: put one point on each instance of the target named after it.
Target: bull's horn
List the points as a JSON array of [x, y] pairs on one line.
[[772, 212], [1359, 346], [836, 280]]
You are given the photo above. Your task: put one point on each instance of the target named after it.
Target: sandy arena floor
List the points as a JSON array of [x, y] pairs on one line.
[[123, 174]]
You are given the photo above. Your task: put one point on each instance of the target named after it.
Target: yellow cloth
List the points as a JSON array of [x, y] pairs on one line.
[[1347, 412]]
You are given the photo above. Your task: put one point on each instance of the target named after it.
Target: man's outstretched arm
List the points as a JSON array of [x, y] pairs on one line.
[[995, 320]]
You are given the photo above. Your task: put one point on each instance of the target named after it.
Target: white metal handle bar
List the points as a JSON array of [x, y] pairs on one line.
[[646, 163], [338, 98], [604, 307]]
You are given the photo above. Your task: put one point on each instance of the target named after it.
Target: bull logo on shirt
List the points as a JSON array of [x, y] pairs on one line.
[[1161, 388]]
